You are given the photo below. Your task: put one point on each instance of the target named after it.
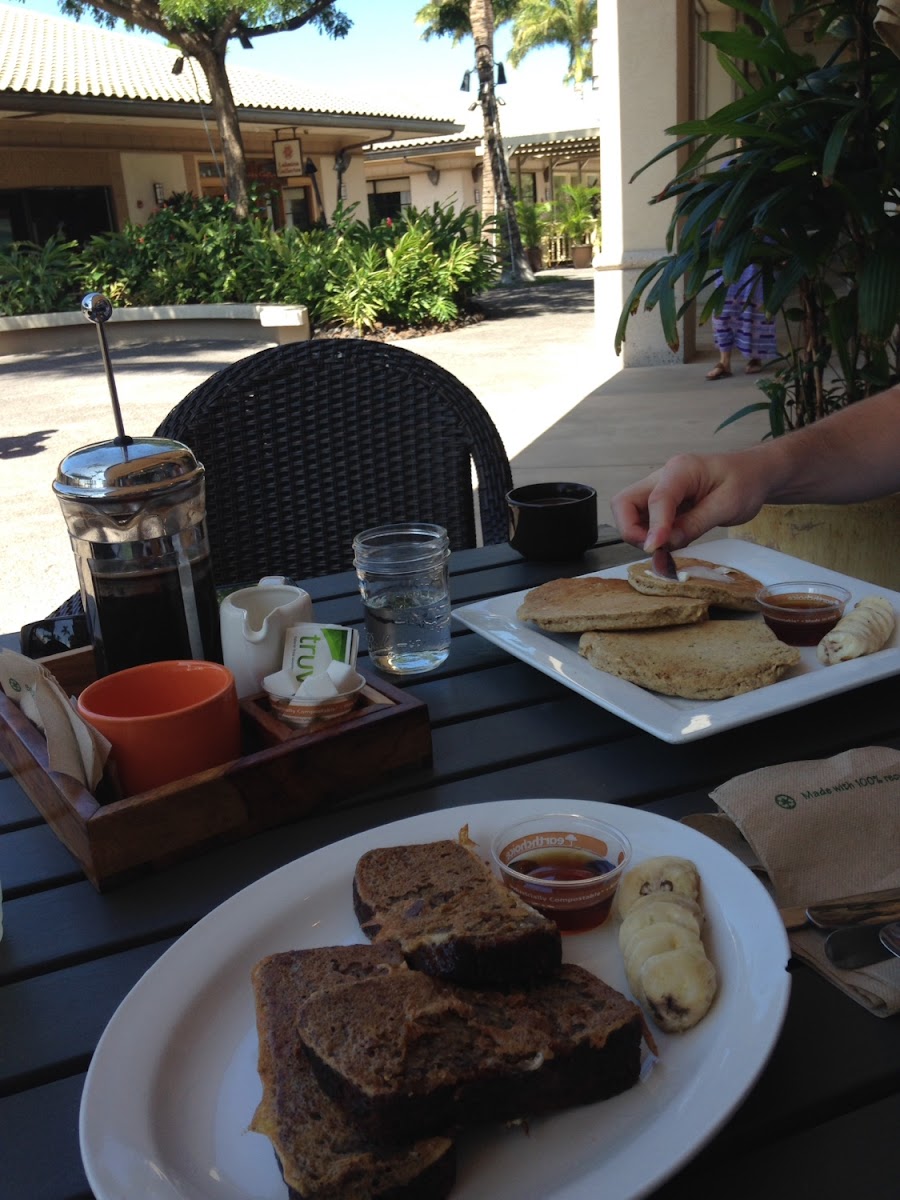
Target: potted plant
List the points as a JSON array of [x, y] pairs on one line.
[[577, 206], [801, 176], [532, 225]]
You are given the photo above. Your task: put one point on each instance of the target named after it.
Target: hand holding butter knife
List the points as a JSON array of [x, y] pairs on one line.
[[663, 564], [864, 928]]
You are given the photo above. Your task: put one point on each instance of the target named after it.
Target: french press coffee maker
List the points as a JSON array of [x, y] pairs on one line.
[[136, 514]]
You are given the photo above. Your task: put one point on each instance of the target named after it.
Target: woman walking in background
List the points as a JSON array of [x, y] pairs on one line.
[[742, 323]]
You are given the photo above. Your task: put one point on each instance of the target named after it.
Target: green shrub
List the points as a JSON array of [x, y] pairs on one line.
[[39, 279], [423, 268], [191, 251]]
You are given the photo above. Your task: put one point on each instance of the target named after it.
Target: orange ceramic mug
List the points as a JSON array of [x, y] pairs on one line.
[[165, 720]]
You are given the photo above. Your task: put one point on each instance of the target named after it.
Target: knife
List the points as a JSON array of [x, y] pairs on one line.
[[867, 908], [663, 564]]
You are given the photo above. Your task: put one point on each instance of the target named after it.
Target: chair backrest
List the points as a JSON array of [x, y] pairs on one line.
[[306, 444]]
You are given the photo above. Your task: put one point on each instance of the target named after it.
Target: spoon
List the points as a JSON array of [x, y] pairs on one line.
[[857, 946], [890, 937]]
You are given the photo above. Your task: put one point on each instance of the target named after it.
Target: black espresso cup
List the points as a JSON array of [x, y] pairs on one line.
[[552, 522]]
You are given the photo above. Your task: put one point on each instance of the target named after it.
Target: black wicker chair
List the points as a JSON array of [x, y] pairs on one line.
[[306, 444]]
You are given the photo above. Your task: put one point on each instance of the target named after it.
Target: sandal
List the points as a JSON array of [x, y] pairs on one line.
[[718, 372], [753, 367]]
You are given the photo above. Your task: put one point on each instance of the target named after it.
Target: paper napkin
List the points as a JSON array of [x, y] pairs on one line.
[[820, 829], [73, 747]]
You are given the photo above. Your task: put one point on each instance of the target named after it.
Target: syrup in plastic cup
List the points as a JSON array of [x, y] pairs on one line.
[[565, 865], [801, 612]]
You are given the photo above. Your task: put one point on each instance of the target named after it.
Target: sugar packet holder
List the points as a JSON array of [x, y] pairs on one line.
[[318, 680]]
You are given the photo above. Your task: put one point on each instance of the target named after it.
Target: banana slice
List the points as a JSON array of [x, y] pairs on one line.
[[656, 940], [662, 874], [659, 907], [678, 987]]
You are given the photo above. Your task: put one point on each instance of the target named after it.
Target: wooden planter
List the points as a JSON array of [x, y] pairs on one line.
[[855, 539], [283, 774]]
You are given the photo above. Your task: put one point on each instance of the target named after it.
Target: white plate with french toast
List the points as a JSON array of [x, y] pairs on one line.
[[187, 1032], [673, 718]]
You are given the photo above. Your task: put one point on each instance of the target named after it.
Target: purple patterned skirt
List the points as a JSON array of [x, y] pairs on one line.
[[742, 322]]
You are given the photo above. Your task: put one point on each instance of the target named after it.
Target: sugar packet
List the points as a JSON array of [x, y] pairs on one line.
[[309, 649]]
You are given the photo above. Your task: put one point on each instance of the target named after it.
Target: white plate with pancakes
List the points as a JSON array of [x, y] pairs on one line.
[[669, 717], [173, 1085]]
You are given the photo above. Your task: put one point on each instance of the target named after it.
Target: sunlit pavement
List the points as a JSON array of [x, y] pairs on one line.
[[545, 370]]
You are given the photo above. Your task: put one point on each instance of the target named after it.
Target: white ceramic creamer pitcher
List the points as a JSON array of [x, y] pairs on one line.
[[253, 621]]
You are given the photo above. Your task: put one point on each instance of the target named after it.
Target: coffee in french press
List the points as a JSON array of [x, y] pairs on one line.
[[136, 514], [137, 523]]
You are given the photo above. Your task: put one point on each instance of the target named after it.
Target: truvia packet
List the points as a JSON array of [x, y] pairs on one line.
[[309, 649]]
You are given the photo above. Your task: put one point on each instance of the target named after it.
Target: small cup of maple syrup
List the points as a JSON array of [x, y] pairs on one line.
[[801, 612], [565, 865]]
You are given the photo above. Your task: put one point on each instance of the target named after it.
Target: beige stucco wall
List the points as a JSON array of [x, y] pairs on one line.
[[458, 187], [422, 192], [140, 172], [454, 187], [638, 97], [354, 184], [646, 85]]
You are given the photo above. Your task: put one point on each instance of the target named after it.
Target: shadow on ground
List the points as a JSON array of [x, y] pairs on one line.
[[143, 357], [554, 295], [25, 445]]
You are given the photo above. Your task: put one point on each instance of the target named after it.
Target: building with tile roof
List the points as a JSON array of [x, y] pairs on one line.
[[548, 142], [96, 126]]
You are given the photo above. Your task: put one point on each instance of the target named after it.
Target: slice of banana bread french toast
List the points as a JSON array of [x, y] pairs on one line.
[[321, 1153], [408, 1056], [451, 916]]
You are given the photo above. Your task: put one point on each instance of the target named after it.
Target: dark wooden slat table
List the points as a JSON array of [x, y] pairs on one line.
[[821, 1120]]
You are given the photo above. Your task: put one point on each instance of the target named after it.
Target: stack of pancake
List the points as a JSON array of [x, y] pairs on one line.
[[658, 633]]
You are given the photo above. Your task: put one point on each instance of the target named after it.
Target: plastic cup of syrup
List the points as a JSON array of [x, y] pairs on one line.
[[801, 612], [565, 865]]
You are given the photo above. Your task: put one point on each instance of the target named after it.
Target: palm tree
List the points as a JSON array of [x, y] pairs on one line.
[[567, 23], [449, 17]]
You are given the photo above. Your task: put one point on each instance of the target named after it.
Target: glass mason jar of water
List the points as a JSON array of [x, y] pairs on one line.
[[403, 581]]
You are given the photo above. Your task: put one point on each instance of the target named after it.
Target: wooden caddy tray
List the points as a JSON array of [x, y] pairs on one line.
[[283, 774]]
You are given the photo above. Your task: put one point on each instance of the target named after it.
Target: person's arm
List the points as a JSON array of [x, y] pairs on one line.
[[852, 455]]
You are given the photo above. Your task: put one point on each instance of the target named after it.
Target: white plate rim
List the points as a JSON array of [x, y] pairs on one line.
[[669, 718], [121, 1157]]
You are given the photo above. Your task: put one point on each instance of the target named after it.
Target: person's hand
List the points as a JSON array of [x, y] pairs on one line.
[[687, 497]]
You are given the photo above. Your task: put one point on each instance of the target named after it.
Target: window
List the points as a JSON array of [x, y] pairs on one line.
[[35, 214], [298, 207], [525, 186], [212, 179], [387, 198]]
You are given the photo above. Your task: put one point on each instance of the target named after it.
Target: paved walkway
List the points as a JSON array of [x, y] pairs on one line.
[[542, 365]]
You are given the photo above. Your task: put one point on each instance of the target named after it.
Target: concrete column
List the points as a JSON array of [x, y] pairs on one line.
[[641, 63]]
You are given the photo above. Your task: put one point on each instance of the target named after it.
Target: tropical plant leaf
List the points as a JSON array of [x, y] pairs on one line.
[[835, 145], [757, 406], [879, 293]]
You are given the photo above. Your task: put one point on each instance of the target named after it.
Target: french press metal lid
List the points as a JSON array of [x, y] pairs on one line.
[[145, 469]]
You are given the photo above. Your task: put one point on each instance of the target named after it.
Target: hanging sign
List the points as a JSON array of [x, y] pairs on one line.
[[288, 157]]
